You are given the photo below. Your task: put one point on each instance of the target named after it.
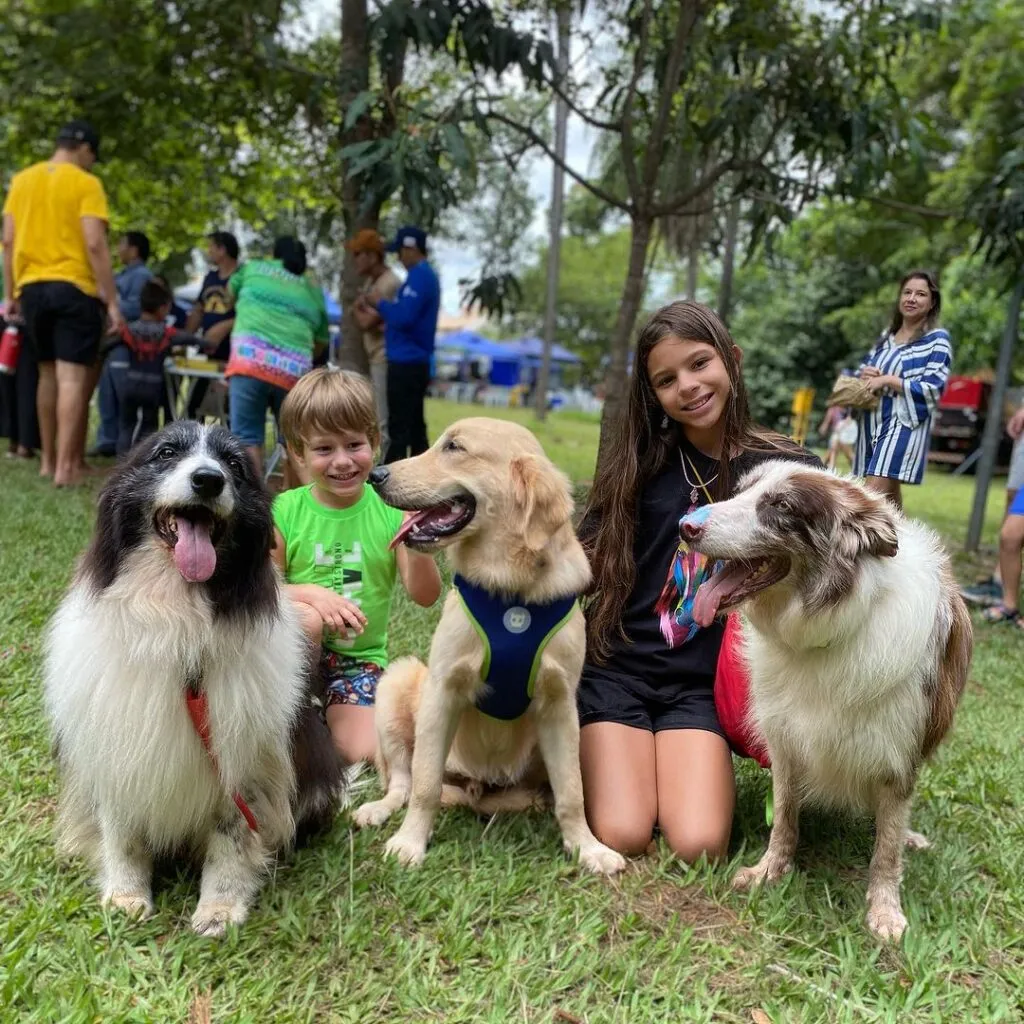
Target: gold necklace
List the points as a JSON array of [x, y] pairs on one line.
[[684, 459]]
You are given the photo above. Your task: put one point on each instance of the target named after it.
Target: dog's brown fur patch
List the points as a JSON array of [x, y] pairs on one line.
[[951, 677]]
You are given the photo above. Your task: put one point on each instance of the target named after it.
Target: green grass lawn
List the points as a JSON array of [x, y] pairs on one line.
[[498, 925]]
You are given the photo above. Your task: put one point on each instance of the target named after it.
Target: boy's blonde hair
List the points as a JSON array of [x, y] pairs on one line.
[[329, 401]]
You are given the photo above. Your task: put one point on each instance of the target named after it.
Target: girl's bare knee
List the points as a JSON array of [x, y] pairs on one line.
[[629, 837], [691, 844]]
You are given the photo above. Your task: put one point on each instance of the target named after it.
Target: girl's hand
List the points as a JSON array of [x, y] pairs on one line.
[[867, 372], [887, 381], [339, 614]]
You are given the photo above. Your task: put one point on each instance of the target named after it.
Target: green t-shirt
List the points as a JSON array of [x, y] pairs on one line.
[[278, 317], [346, 550]]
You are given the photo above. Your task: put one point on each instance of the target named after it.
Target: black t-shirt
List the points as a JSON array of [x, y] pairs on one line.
[[218, 304], [662, 597]]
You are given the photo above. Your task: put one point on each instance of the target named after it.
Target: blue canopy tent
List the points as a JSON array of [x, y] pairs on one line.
[[469, 346], [533, 349]]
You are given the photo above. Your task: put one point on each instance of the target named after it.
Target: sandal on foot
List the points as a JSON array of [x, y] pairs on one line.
[[1000, 613]]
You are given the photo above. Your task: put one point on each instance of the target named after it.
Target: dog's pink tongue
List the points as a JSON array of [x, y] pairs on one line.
[[406, 527], [193, 554], [714, 590]]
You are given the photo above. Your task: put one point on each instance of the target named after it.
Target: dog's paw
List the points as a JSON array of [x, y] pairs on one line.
[[886, 921], [371, 814], [134, 904], [916, 841], [410, 851], [212, 919], [765, 872], [601, 859]]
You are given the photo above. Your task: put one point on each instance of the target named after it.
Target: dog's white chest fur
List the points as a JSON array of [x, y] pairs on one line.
[[843, 694], [115, 689]]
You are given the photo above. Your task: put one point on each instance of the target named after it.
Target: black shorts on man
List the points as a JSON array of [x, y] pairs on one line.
[[61, 322]]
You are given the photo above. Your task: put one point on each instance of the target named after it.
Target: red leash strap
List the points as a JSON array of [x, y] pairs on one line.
[[199, 712]]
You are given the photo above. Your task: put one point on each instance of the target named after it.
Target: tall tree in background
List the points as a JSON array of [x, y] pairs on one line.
[[751, 91]]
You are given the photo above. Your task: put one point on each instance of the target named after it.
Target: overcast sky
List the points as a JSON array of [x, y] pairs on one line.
[[455, 262]]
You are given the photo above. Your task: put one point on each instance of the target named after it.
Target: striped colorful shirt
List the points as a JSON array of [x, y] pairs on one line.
[[895, 435], [278, 317]]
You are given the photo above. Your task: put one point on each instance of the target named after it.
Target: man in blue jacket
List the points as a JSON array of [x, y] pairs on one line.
[[410, 327]]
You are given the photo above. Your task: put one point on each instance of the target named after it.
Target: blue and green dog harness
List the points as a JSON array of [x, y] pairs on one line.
[[514, 635]]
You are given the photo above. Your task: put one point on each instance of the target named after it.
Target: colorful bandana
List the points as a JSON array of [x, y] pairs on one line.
[[674, 608]]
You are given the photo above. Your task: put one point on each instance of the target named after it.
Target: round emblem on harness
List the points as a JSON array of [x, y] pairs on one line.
[[516, 620]]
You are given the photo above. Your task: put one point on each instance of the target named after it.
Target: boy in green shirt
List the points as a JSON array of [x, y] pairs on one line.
[[332, 542]]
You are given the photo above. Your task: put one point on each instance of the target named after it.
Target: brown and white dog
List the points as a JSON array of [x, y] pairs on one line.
[[858, 645]]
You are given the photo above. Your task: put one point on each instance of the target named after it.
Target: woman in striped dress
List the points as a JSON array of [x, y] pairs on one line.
[[908, 368]]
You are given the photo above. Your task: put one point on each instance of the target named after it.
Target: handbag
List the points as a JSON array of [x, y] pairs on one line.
[[853, 393]]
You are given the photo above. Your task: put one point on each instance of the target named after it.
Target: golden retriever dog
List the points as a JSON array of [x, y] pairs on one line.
[[487, 494]]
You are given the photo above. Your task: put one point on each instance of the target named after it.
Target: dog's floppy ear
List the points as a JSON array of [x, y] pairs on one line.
[[872, 520], [540, 500]]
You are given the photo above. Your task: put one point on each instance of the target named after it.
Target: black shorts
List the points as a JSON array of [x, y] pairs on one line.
[[61, 322], [605, 696]]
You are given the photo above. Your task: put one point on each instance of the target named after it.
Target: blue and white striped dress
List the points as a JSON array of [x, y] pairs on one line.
[[894, 436]]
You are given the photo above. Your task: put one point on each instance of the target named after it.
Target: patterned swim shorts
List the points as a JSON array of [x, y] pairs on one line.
[[349, 680]]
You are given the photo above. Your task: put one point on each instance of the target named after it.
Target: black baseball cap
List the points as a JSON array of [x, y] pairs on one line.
[[412, 237], [79, 131]]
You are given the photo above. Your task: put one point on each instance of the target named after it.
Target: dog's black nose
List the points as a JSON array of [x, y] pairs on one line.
[[207, 483], [379, 475]]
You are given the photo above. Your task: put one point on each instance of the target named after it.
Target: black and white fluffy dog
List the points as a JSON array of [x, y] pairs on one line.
[[177, 596]]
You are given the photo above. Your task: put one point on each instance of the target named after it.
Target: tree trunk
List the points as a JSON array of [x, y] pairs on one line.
[[562, 15], [617, 378], [732, 231], [993, 432], [353, 78]]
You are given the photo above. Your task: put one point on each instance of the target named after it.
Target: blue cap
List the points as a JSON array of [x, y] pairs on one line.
[[409, 236]]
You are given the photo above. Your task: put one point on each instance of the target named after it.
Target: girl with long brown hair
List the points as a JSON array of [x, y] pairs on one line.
[[652, 750]]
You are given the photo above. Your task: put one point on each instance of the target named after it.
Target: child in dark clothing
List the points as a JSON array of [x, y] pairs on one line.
[[136, 364]]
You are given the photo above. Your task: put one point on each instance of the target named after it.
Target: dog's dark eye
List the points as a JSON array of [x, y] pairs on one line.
[[235, 465], [452, 445], [165, 452]]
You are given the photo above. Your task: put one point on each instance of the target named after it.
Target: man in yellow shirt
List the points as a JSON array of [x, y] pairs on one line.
[[57, 275]]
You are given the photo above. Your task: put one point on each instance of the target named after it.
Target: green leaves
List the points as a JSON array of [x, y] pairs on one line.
[[469, 30], [358, 107], [494, 294]]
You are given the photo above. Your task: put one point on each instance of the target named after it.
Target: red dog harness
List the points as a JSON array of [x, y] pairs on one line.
[[199, 712], [732, 697]]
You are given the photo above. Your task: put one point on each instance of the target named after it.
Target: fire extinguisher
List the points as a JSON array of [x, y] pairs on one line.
[[10, 348]]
